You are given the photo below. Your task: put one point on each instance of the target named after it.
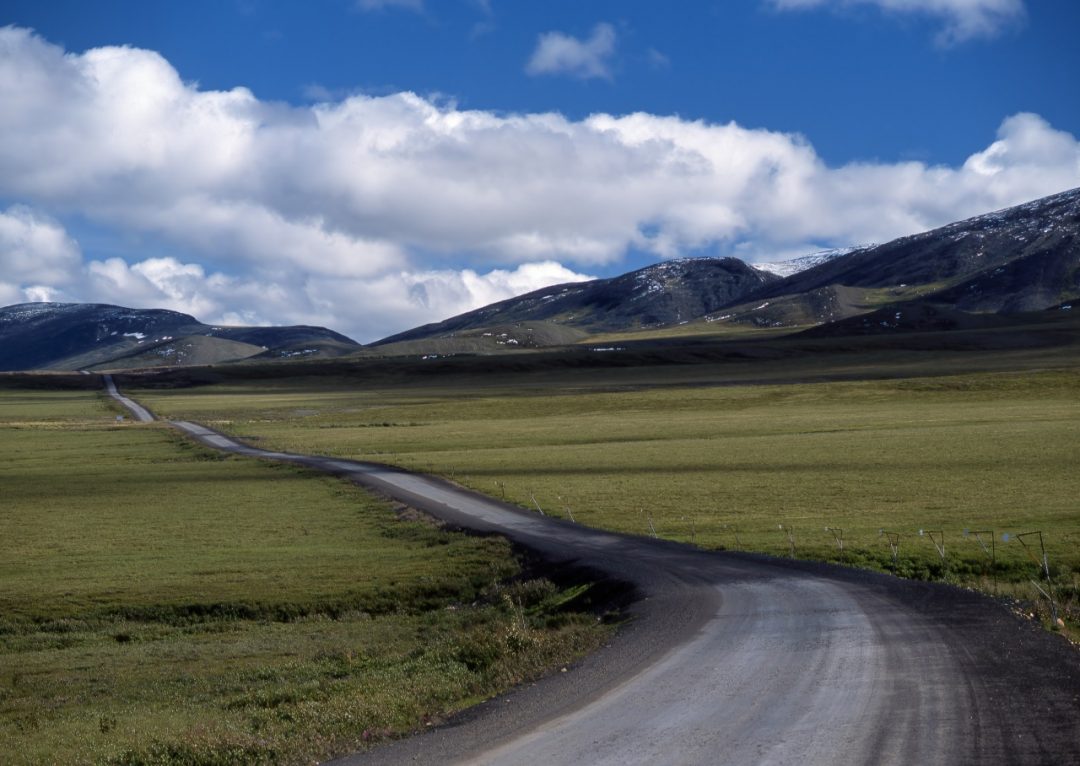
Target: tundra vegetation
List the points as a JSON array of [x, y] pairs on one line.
[[164, 604], [785, 469]]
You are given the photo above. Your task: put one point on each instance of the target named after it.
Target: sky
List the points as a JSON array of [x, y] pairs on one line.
[[373, 165]]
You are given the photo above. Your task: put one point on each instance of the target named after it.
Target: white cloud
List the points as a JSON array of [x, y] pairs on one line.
[[963, 19], [459, 291], [316, 92], [367, 309], [156, 282], [379, 5], [402, 300], [34, 247], [557, 53], [657, 60], [373, 214], [212, 297], [11, 294]]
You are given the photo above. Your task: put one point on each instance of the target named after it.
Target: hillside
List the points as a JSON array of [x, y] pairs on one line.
[[77, 336], [802, 263], [664, 294], [1022, 259]]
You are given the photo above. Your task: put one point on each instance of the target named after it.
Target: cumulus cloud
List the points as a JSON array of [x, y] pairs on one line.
[[401, 300], [10, 294], [160, 282], [963, 19], [558, 53], [367, 309], [35, 247], [212, 297], [37, 256], [373, 214]]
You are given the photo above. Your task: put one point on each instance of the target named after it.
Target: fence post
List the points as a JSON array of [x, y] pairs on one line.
[[939, 541], [838, 535], [990, 551], [790, 538], [1045, 565], [894, 543], [566, 507]]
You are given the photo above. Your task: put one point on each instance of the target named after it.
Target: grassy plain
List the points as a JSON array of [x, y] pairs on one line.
[[161, 603], [735, 466]]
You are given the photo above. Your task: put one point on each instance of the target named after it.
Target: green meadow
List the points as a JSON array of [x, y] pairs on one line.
[[780, 469], [161, 603]]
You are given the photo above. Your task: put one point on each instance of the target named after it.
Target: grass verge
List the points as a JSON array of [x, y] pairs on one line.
[[782, 469], [164, 604]]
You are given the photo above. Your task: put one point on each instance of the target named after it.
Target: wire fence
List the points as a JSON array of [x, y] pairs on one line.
[[1005, 562]]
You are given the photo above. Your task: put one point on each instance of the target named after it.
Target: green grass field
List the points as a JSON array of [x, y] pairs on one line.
[[161, 603], [728, 466]]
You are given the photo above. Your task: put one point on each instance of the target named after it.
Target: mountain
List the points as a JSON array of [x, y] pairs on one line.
[[664, 294], [1010, 262], [77, 336], [1024, 258], [1021, 259], [804, 262]]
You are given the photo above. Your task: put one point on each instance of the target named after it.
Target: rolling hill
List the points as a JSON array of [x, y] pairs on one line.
[[92, 336], [1022, 259], [656, 296], [1019, 260]]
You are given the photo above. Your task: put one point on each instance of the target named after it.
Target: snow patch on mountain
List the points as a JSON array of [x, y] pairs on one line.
[[24, 312], [1024, 222], [804, 262], [658, 277]]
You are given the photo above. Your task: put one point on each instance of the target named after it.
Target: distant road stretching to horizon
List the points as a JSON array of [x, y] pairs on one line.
[[741, 659]]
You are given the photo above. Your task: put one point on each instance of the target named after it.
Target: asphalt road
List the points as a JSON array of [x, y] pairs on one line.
[[137, 411], [738, 659]]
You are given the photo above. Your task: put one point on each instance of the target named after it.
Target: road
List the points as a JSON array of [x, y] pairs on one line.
[[137, 411], [739, 659]]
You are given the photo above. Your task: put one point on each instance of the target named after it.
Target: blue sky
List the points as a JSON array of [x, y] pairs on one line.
[[371, 165]]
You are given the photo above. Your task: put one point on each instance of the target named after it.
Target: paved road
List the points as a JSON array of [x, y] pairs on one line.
[[736, 659], [139, 412]]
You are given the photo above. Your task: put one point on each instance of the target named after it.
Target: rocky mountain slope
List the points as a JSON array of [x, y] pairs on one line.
[[77, 336], [1021, 259], [1024, 258], [665, 294], [802, 263]]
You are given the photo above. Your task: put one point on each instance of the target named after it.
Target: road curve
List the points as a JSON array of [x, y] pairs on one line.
[[739, 659], [137, 411]]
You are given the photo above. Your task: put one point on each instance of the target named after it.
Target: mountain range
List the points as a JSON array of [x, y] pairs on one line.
[[92, 336], [1022, 259], [665, 294]]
